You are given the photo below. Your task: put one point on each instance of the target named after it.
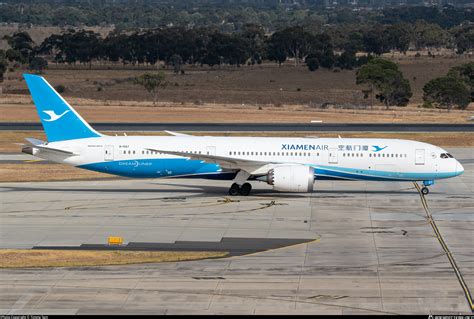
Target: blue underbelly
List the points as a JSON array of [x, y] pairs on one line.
[[150, 168]]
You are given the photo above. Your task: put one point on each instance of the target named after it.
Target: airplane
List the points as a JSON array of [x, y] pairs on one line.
[[288, 164]]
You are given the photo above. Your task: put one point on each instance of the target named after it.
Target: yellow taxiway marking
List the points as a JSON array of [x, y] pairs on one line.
[[448, 253]]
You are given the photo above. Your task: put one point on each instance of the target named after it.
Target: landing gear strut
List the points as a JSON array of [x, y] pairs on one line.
[[243, 190]]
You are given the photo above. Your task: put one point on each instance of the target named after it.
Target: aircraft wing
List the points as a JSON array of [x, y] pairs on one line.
[[224, 162]]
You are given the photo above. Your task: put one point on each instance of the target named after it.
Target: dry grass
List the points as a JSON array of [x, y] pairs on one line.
[[117, 112], [17, 258], [29, 172], [9, 140], [265, 84]]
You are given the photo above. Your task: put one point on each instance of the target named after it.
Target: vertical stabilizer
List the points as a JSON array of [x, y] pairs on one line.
[[60, 121]]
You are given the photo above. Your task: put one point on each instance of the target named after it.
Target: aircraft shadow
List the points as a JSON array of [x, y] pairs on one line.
[[204, 191]]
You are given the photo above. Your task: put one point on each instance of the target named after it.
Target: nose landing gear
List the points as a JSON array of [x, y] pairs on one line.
[[425, 190], [243, 190]]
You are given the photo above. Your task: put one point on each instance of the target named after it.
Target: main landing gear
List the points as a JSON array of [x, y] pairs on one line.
[[243, 190]]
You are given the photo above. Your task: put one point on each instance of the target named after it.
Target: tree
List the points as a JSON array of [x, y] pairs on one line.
[[447, 92], [386, 78], [465, 73], [312, 62], [255, 36], [176, 61], [292, 42], [463, 38], [375, 40], [3, 65], [398, 37], [152, 82], [426, 35], [38, 64], [347, 60], [21, 46], [72, 46]]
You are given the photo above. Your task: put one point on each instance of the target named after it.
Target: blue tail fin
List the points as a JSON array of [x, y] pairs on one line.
[[60, 121]]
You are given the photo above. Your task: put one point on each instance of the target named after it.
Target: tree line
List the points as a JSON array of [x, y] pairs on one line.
[[178, 46], [227, 16], [252, 45]]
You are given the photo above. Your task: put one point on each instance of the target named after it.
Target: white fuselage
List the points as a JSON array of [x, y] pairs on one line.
[[332, 158]]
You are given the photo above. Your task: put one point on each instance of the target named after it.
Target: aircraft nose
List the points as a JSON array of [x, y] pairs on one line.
[[459, 168]]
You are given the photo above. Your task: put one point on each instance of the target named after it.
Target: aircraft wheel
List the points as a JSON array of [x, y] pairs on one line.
[[234, 190], [245, 189], [425, 191]]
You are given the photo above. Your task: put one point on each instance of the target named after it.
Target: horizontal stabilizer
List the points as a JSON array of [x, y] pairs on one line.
[[33, 142]]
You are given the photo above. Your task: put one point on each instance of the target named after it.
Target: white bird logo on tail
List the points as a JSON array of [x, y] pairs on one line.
[[53, 116]]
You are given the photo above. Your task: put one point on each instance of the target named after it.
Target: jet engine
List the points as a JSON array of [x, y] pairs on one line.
[[291, 178]]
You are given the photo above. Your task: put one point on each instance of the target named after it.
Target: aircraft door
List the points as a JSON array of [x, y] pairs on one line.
[[211, 150], [109, 153], [332, 156], [420, 157]]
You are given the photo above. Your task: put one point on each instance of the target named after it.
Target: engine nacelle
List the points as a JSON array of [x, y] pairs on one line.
[[291, 178]]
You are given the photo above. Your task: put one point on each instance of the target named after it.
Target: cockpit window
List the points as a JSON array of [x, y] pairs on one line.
[[446, 155]]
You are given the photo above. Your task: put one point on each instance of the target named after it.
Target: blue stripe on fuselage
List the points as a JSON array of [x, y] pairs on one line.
[[153, 168]]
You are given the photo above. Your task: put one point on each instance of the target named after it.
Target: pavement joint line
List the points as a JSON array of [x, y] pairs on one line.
[[445, 247]]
